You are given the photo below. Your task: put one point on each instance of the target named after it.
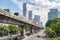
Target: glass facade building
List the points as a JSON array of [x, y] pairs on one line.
[[30, 15], [37, 19], [53, 14], [24, 9]]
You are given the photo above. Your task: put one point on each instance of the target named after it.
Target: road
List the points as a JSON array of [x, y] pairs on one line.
[[39, 36], [12, 36]]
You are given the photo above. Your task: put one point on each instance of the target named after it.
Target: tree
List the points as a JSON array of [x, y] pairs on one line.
[[27, 28], [50, 32], [54, 25], [14, 29], [6, 28], [1, 31], [52, 21]]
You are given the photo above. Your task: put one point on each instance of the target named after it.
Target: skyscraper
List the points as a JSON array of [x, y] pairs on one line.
[[37, 19], [59, 14], [53, 14], [30, 15], [24, 9]]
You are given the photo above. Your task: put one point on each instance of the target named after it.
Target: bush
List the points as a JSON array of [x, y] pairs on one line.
[[58, 38], [6, 28], [14, 29], [27, 28], [50, 32], [1, 31]]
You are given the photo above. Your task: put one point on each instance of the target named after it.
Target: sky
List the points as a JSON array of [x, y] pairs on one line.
[[39, 7]]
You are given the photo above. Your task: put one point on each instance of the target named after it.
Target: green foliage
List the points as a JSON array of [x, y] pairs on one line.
[[19, 28], [50, 32], [13, 28], [27, 28], [52, 21], [16, 29], [54, 25], [6, 28], [1, 29], [58, 38]]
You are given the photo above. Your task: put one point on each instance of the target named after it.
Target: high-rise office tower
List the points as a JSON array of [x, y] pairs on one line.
[[59, 14], [37, 19], [53, 14], [30, 15], [24, 9]]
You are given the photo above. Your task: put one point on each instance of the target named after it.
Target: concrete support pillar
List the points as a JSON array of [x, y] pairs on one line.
[[35, 29], [31, 30], [23, 31], [38, 29]]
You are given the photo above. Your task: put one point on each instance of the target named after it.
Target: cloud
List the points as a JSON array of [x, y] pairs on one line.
[[37, 4], [46, 3], [19, 4], [39, 7], [43, 4], [29, 7], [29, 4]]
